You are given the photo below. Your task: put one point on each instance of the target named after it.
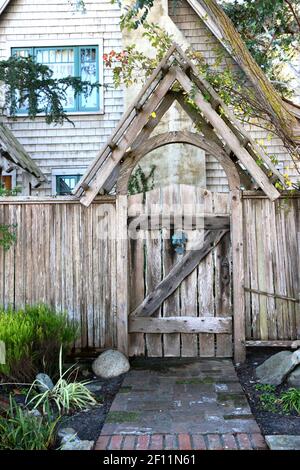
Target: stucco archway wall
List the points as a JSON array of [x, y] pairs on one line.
[[175, 118], [177, 137]]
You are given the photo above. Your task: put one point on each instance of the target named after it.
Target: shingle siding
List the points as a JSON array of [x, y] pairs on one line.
[[201, 39], [65, 146]]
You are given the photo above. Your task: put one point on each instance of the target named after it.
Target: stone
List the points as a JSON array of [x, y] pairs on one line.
[[44, 382], [67, 433], [93, 387], [70, 440], [110, 364], [283, 442], [295, 344], [275, 369], [35, 413], [293, 379], [77, 444]]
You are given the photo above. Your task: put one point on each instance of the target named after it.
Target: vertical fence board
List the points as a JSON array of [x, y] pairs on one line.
[[171, 342], [136, 279], [154, 269], [206, 284], [188, 288], [222, 260]]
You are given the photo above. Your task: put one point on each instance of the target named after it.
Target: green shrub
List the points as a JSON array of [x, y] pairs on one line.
[[66, 395], [290, 400], [33, 337], [19, 430]]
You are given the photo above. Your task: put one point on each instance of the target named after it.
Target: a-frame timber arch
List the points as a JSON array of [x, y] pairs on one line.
[[221, 134]]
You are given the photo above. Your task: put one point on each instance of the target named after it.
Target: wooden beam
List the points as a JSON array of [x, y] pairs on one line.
[[160, 112], [209, 133], [229, 137], [128, 163], [270, 294], [269, 344], [237, 241], [122, 274], [14, 151], [185, 221], [26, 200], [181, 325], [178, 273], [202, 83], [178, 137], [127, 140]]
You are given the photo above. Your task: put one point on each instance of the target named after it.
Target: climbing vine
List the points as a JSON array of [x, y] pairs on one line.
[[8, 234], [139, 182]]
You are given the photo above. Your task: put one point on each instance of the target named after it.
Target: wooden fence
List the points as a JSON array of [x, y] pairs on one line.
[[62, 259], [272, 268]]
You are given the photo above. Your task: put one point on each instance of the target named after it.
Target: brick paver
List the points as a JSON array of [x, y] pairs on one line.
[[143, 442], [244, 442], [183, 404], [186, 442]]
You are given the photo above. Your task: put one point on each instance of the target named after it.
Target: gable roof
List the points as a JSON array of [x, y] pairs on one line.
[[13, 150], [176, 67], [223, 29]]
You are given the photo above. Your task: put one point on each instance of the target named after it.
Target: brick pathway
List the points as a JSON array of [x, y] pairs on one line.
[[239, 441], [180, 404]]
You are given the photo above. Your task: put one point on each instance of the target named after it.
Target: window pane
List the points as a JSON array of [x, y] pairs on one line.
[[21, 53], [61, 62], [88, 70], [66, 183]]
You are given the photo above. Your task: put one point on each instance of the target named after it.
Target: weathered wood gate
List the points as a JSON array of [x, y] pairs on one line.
[[180, 303]]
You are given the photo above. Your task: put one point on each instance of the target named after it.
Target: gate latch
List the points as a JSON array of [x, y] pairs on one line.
[[179, 240]]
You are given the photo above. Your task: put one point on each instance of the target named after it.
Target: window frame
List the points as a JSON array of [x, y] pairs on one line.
[[13, 175], [63, 172], [65, 43]]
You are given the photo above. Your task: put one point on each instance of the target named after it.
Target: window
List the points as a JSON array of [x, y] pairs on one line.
[[77, 61], [65, 184], [7, 182], [64, 181]]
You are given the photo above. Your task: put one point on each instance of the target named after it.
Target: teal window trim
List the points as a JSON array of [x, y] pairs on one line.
[[79, 51], [62, 188], [78, 105]]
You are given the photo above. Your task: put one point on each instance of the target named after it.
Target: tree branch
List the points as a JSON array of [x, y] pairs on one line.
[[297, 19]]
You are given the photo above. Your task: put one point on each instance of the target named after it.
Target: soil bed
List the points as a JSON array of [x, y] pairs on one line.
[[88, 424], [269, 422]]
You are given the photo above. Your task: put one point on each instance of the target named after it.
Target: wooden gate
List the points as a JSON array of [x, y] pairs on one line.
[[179, 295]]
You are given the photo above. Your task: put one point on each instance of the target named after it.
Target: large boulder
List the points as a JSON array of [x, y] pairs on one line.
[[293, 379], [110, 364], [275, 369]]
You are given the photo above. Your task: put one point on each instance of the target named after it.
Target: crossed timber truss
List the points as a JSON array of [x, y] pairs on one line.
[[219, 126]]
